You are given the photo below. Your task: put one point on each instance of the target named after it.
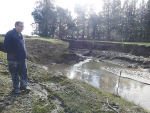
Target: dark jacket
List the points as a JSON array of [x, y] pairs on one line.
[[14, 45]]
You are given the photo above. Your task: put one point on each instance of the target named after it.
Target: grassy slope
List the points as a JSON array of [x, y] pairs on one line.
[[75, 95]]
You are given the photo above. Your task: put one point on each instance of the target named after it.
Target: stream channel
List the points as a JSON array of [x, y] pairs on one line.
[[90, 71]]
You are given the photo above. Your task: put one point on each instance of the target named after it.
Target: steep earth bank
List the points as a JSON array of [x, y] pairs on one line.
[[138, 50]]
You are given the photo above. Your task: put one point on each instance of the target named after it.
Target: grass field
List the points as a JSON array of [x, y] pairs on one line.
[[134, 43]]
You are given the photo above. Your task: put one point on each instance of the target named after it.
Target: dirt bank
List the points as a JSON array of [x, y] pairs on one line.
[[138, 50], [119, 58], [48, 51]]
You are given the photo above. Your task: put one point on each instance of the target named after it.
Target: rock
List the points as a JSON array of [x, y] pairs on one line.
[[116, 104], [137, 108], [32, 84], [2, 105], [16, 102], [73, 62], [61, 78], [1, 100], [129, 66], [34, 66], [8, 102], [53, 63], [135, 66], [28, 96], [87, 53], [102, 58], [54, 107], [28, 102]]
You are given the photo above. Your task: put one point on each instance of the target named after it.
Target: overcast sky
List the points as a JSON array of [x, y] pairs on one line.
[[20, 10]]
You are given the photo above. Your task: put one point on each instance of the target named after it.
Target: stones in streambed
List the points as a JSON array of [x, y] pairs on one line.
[[133, 66], [72, 57], [143, 77], [53, 63], [102, 58], [87, 53], [145, 66], [118, 55]]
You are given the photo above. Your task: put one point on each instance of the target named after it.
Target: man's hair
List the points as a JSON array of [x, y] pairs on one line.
[[17, 23]]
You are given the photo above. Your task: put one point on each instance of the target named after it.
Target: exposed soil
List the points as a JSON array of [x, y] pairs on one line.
[[45, 52], [119, 58], [138, 50]]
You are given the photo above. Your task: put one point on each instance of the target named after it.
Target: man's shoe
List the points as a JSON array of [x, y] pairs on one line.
[[26, 89], [17, 91]]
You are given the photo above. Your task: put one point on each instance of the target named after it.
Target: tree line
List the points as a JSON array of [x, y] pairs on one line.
[[127, 21]]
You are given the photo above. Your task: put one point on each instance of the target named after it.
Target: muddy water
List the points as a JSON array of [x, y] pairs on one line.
[[90, 71]]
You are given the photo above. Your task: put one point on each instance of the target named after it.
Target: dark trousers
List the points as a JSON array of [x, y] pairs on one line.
[[18, 69]]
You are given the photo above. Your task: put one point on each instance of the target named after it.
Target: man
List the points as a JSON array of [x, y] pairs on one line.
[[14, 45]]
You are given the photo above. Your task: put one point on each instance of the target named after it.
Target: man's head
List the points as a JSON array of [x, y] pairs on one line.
[[19, 26]]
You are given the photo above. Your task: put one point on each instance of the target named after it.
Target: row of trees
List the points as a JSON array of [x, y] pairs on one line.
[[129, 21]]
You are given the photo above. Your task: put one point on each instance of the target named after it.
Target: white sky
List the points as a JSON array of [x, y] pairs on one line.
[[20, 10]]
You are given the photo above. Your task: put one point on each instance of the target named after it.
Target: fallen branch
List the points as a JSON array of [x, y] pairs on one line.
[[112, 107]]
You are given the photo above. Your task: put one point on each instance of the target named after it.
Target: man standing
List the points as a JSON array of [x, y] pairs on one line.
[[14, 45]]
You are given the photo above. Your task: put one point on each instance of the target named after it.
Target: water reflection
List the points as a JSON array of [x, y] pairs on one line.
[[91, 73]]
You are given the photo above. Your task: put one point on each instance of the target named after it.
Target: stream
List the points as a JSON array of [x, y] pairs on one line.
[[91, 72]]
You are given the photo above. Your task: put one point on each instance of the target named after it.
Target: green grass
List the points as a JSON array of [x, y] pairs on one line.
[[134, 43], [56, 41], [79, 97], [1, 39]]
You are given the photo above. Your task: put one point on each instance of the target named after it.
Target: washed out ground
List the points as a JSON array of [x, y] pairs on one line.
[[56, 94]]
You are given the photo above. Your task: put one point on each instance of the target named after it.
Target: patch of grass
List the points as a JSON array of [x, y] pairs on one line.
[[79, 96], [38, 109], [110, 58], [41, 103], [56, 41], [1, 39], [134, 43]]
